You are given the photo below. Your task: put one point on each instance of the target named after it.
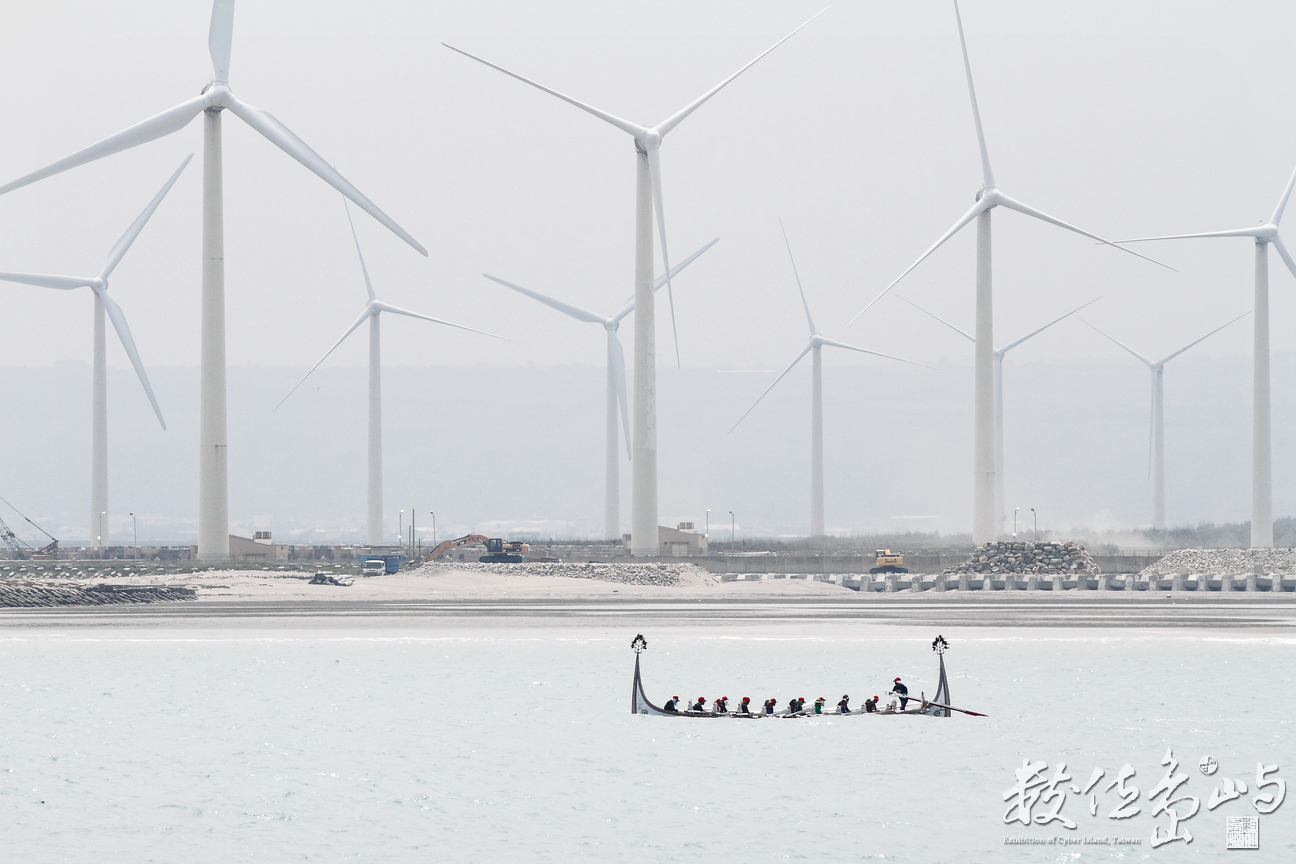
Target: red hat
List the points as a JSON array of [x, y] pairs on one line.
[[897, 679], [746, 698]]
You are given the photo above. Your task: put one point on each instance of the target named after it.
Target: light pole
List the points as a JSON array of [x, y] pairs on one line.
[[708, 524], [434, 537], [1015, 509], [135, 530], [102, 542], [1036, 515], [400, 529], [413, 530], [731, 528]]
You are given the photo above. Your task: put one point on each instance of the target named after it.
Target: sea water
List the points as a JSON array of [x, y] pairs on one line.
[[431, 744]]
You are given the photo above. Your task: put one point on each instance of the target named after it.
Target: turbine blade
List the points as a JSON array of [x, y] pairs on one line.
[[41, 280], [359, 254], [220, 38], [617, 356], [661, 280], [566, 308], [1282, 251], [123, 333], [804, 351], [986, 174], [1113, 339], [804, 303], [675, 119], [1011, 345], [1170, 357], [624, 125], [654, 170], [1282, 202], [283, 138], [396, 310], [115, 256], [966, 335], [874, 353], [157, 126], [1013, 204], [363, 317], [977, 209], [1235, 232]]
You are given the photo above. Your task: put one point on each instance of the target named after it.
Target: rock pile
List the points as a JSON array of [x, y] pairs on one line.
[[1221, 561], [23, 593], [666, 575], [1051, 559]]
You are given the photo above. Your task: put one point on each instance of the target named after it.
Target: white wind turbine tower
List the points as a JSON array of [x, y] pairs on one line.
[[373, 309], [213, 462], [998, 395], [1261, 446], [989, 197], [813, 346], [648, 198], [616, 384], [1156, 433], [99, 521]]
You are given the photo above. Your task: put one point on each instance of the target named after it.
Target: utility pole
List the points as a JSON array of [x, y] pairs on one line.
[[1036, 515], [731, 528], [135, 528], [434, 534]]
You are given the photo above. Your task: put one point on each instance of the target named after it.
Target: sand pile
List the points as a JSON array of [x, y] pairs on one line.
[[1053, 559], [1221, 561], [23, 593], [665, 575]]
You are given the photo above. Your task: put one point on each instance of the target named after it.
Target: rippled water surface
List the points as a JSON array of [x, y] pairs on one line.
[[423, 745]]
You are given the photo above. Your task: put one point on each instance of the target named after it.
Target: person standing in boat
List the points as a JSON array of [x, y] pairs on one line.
[[672, 705], [819, 703], [699, 705], [902, 691], [843, 707], [743, 706]]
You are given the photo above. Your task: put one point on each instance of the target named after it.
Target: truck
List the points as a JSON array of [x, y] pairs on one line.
[[888, 563], [498, 550]]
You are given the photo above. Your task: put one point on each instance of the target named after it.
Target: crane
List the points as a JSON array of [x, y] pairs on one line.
[[20, 549]]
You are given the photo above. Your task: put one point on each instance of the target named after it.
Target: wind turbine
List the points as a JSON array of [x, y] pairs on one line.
[[813, 346], [1156, 434], [998, 394], [213, 463], [989, 197], [616, 384], [373, 309], [1261, 447], [99, 524], [648, 198]]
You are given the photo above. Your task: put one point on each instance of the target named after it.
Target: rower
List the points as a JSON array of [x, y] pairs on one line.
[[671, 703], [902, 691], [769, 705], [799, 706], [843, 707], [721, 705], [870, 705], [743, 705], [699, 705], [819, 703]]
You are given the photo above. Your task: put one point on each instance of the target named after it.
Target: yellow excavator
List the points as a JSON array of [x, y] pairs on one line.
[[888, 563], [497, 550]]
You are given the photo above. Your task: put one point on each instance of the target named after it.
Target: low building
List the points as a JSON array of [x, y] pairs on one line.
[[678, 542], [259, 548]]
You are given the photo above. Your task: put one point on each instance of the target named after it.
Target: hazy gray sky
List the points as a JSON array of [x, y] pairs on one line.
[[1124, 118]]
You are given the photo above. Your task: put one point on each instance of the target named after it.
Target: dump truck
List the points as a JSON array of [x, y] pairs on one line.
[[498, 551], [888, 563]]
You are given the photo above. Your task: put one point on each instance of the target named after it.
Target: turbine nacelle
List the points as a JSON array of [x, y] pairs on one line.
[[651, 139], [98, 285]]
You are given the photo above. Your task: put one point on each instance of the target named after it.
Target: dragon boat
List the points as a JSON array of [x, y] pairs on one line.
[[937, 706]]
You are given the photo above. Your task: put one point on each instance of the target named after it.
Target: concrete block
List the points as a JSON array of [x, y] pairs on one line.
[[1057, 583]]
